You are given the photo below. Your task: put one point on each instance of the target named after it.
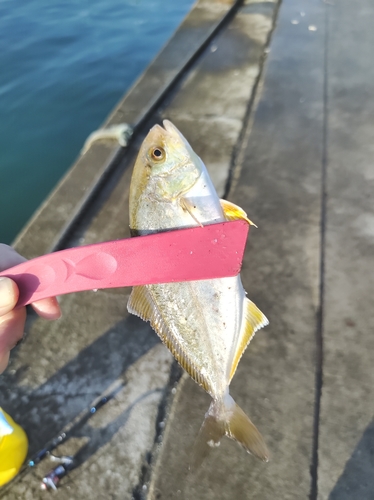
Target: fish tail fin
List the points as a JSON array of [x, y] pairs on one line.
[[225, 417], [209, 437], [240, 428]]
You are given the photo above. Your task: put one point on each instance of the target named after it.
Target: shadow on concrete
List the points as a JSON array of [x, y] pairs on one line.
[[357, 480], [45, 411], [99, 437]]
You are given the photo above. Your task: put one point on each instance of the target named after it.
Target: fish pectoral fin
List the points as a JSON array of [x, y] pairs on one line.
[[233, 212], [254, 319], [142, 304], [188, 207]]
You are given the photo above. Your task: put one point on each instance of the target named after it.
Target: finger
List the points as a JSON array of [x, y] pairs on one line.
[[4, 360], [11, 332], [8, 295], [12, 328], [47, 308]]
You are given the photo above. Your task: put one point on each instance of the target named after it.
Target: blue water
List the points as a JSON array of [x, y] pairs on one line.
[[64, 64]]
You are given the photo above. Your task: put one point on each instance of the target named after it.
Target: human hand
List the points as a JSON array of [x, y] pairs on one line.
[[12, 321]]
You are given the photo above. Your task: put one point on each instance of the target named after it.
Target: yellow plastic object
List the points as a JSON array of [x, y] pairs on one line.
[[13, 447]]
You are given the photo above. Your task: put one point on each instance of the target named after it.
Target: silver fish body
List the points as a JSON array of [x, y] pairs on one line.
[[206, 324]]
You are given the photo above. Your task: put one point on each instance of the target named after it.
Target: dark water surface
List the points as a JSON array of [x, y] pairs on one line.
[[64, 64]]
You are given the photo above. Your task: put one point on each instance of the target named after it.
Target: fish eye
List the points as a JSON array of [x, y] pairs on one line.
[[157, 153]]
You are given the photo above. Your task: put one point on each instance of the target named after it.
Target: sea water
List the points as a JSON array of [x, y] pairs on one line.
[[64, 64]]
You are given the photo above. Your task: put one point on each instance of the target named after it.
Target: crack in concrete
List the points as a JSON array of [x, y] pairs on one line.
[[238, 151], [320, 314], [140, 492]]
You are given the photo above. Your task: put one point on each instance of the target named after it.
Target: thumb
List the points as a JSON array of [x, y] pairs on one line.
[[8, 295]]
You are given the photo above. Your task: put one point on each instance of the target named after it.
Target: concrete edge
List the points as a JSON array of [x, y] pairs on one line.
[[60, 211]]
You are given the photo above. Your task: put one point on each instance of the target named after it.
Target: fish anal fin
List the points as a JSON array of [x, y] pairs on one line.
[[233, 212], [141, 304], [254, 319]]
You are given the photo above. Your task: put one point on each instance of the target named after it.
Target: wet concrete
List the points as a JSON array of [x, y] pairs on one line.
[[63, 366], [277, 180], [287, 135], [346, 447]]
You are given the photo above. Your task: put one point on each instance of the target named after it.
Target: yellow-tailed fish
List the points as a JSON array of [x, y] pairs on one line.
[[206, 324]]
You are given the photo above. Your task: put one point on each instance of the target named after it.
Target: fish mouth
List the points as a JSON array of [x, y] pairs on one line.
[[170, 131]]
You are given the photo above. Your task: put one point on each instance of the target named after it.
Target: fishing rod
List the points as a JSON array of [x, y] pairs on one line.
[[66, 463]]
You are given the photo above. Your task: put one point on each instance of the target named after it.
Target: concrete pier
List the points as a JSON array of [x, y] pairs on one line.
[[277, 100]]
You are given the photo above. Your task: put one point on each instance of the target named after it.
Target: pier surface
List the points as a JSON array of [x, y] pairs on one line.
[[277, 99]]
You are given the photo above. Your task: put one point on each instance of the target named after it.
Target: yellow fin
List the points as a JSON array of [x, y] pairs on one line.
[[141, 304], [240, 428], [225, 417], [233, 212], [254, 320]]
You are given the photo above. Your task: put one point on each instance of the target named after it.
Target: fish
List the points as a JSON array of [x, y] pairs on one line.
[[206, 324]]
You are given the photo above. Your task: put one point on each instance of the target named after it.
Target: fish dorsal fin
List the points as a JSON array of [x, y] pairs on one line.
[[254, 320], [141, 304], [233, 212]]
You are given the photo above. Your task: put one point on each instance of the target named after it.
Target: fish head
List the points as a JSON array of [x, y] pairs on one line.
[[166, 167]]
